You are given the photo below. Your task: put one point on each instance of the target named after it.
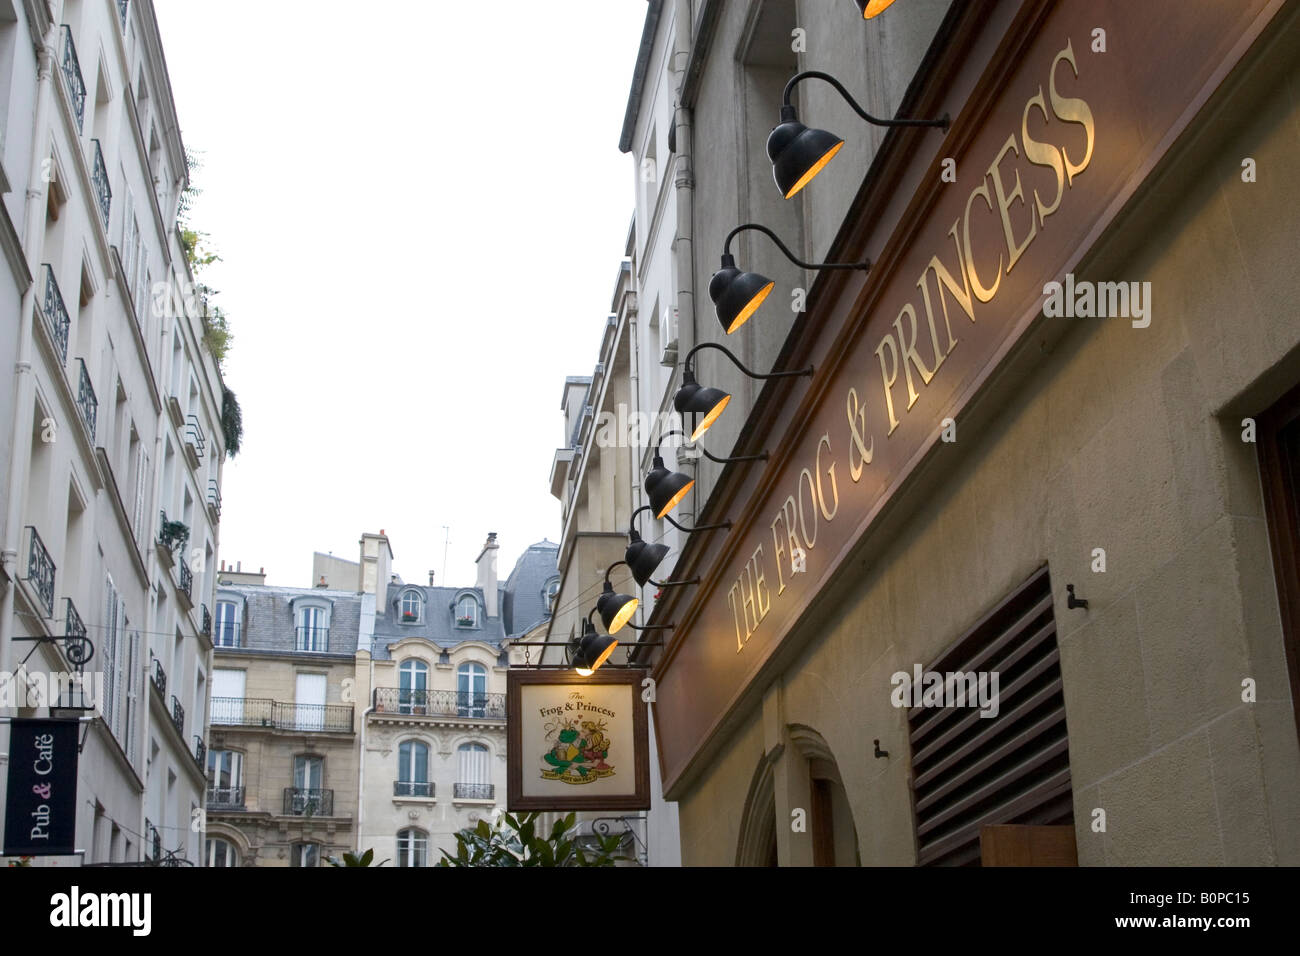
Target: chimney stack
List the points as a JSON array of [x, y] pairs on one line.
[[321, 583], [430, 579], [487, 574]]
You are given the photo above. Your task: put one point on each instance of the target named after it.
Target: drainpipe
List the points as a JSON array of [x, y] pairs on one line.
[[684, 181], [25, 385], [361, 756]]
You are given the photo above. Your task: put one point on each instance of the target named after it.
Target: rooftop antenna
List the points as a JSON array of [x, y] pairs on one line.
[[446, 540]]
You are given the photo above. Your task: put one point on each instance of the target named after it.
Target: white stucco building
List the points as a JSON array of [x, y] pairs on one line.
[[113, 406]]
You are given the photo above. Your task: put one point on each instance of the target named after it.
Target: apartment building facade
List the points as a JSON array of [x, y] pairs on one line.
[[282, 762], [112, 481]]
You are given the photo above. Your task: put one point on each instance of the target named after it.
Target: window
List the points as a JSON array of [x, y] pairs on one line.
[[471, 691], [412, 605], [220, 853], [227, 634], [309, 702], [228, 696], [467, 612], [413, 682], [552, 589], [313, 629], [305, 854], [475, 775], [307, 795], [225, 778], [412, 846], [412, 770]]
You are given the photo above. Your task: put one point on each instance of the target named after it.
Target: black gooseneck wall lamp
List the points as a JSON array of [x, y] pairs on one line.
[[696, 399], [587, 652], [737, 295], [872, 8], [643, 557], [798, 153], [614, 609], [667, 488]]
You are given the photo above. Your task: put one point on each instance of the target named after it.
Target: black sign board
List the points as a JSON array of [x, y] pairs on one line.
[[41, 802]]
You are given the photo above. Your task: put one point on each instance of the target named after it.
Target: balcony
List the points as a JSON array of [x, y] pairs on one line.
[[86, 400], [40, 571], [99, 179], [278, 715], [186, 578], [72, 76], [121, 12], [439, 703], [299, 802], [152, 841], [227, 634], [200, 753], [412, 788], [57, 321], [178, 716], [311, 638], [159, 678], [205, 621], [195, 441], [214, 500], [473, 791], [225, 798], [76, 645]]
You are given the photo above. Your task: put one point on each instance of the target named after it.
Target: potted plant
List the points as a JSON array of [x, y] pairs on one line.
[[409, 617], [465, 621]]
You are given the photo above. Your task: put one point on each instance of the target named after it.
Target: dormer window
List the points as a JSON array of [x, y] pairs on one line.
[[467, 612], [411, 607], [312, 623], [549, 593]]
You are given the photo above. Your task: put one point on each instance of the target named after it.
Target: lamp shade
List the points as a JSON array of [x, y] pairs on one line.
[[737, 295], [615, 609], [592, 650], [797, 152], [693, 398], [872, 8], [643, 558], [665, 488]]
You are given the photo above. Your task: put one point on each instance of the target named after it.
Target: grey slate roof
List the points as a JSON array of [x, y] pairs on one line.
[[270, 619], [520, 602]]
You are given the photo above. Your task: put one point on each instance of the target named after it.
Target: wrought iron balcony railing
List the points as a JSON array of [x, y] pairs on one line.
[[194, 435], [99, 179], [72, 76], [121, 12], [473, 791], [439, 703], [227, 633], [412, 788], [280, 715], [225, 798], [172, 534], [159, 677], [56, 314], [178, 716], [205, 621], [312, 638], [301, 802], [214, 496], [40, 570], [186, 578], [200, 753], [76, 645], [86, 400], [152, 841]]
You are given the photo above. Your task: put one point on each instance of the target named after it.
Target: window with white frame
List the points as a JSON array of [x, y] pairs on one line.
[[412, 687], [412, 847], [471, 690], [221, 853], [467, 612], [474, 776], [412, 770], [228, 624], [225, 778], [305, 854], [412, 607], [313, 633]]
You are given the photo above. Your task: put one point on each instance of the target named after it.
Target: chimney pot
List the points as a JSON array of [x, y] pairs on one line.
[[430, 579]]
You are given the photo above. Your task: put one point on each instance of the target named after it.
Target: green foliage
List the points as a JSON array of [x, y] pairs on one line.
[[232, 422], [513, 841], [199, 253], [354, 859]]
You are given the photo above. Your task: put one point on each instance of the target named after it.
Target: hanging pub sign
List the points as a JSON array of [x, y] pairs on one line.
[[41, 802], [576, 743]]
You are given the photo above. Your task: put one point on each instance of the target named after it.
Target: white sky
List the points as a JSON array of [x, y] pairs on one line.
[[421, 208]]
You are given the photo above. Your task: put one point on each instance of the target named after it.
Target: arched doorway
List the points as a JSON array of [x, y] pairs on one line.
[[758, 824]]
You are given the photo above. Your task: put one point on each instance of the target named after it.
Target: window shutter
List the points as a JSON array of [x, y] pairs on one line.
[[132, 692], [141, 482], [110, 651]]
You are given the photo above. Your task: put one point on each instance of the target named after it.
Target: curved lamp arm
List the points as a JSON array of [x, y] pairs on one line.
[[728, 259], [735, 361], [725, 525], [788, 112], [762, 456]]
